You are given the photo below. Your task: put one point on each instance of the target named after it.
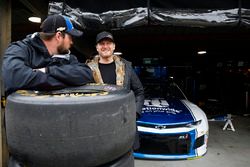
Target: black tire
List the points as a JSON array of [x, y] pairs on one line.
[[75, 127], [126, 160]]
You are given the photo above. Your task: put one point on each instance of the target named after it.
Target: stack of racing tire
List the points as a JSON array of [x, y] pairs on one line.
[[86, 126]]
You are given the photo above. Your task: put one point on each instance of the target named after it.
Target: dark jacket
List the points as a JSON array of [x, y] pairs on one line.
[[23, 57], [130, 81]]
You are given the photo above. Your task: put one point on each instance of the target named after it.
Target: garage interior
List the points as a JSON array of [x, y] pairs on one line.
[[220, 77], [218, 81]]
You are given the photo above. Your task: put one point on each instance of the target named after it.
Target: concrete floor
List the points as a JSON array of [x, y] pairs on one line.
[[225, 148]]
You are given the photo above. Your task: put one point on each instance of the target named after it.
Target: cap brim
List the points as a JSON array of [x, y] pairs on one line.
[[98, 40], [75, 32]]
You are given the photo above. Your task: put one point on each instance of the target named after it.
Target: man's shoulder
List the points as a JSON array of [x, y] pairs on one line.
[[16, 46], [93, 60], [119, 58], [126, 62], [24, 42], [25, 45]]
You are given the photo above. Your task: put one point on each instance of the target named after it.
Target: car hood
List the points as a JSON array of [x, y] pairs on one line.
[[167, 112]]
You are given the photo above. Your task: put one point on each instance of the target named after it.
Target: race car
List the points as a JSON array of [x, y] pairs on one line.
[[171, 126]]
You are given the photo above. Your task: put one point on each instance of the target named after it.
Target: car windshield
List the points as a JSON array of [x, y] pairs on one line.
[[162, 89]]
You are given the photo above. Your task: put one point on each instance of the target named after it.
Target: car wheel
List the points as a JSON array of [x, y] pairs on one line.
[[82, 126]]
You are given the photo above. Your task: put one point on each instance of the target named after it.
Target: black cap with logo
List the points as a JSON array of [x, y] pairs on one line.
[[57, 22], [103, 35]]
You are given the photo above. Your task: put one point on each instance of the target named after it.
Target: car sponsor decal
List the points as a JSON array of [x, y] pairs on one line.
[[156, 109], [156, 102], [162, 111], [158, 105]]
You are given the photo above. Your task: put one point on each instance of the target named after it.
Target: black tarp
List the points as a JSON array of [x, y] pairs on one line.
[[117, 14], [99, 6]]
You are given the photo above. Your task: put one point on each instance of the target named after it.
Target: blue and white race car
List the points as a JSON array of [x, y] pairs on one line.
[[171, 127]]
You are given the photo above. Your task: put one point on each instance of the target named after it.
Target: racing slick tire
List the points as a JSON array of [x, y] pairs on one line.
[[82, 126], [126, 160]]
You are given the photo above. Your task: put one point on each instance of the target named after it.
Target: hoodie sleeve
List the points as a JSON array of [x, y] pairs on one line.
[[71, 71], [17, 75]]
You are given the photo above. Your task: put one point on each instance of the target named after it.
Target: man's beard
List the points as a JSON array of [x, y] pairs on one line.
[[62, 50]]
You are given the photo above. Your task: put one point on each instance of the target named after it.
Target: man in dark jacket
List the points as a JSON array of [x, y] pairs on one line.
[[112, 69], [42, 61]]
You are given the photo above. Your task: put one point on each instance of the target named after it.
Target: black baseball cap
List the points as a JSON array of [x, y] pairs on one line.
[[57, 22], [103, 35]]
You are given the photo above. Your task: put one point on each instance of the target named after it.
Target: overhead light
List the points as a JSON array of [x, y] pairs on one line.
[[202, 52], [117, 53], [35, 19]]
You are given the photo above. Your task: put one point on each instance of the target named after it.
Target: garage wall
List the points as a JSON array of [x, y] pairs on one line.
[[5, 37]]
